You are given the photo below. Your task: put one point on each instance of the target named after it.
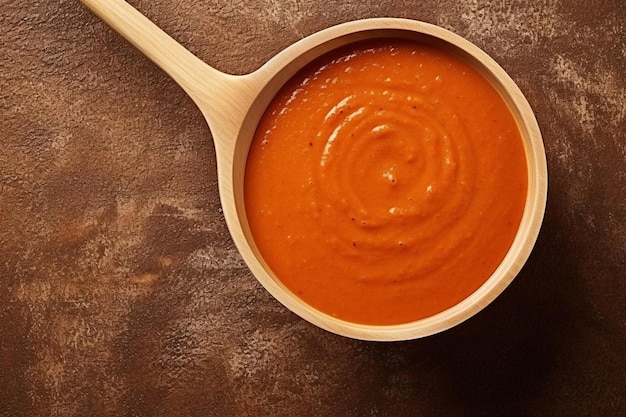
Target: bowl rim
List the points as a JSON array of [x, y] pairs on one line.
[[282, 67]]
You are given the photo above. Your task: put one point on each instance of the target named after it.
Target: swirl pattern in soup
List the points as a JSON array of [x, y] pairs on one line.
[[385, 182]]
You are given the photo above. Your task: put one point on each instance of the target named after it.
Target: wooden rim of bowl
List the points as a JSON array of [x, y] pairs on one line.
[[283, 67]]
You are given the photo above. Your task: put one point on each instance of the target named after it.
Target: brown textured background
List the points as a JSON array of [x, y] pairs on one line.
[[121, 293]]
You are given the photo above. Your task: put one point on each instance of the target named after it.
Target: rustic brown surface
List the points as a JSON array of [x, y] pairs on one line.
[[121, 293]]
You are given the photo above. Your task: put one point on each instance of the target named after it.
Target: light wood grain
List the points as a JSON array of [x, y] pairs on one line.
[[232, 106]]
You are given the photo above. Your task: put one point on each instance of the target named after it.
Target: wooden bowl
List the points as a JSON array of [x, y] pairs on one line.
[[233, 106]]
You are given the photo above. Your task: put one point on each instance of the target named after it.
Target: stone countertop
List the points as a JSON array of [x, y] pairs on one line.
[[121, 293]]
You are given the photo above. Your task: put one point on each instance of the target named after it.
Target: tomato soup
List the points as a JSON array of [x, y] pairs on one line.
[[386, 182]]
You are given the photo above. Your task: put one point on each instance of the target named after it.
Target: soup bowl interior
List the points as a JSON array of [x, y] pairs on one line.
[[283, 67]]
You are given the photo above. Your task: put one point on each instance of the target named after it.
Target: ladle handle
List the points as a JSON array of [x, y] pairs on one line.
[[209, 88]]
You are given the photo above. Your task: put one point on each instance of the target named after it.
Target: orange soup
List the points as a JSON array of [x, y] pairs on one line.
[[385, 182]]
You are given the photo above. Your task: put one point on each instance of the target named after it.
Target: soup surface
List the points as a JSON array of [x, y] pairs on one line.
[[385, 182]]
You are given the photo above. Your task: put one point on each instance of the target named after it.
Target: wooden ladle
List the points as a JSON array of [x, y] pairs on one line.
[[232, 106]]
